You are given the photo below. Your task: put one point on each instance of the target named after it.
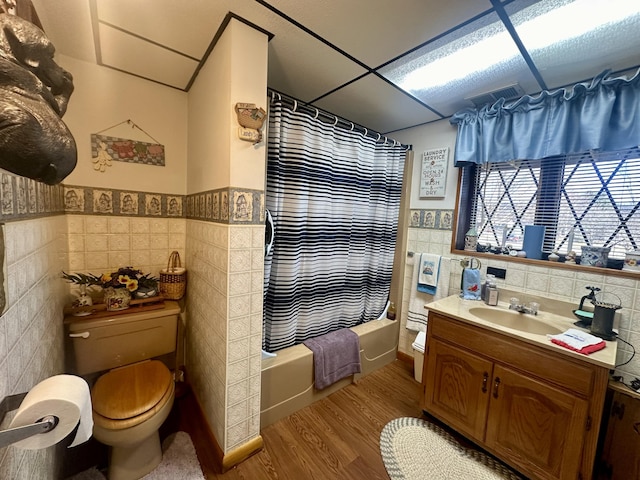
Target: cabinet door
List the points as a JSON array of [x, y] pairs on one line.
[[535, 425], [621, 452], [457, 388]]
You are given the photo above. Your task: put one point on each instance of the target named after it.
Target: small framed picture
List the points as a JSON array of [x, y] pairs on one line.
[[433, 176]]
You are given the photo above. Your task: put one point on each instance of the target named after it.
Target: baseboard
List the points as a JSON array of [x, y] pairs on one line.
[[244, 451], [403, 357], [212, 458]]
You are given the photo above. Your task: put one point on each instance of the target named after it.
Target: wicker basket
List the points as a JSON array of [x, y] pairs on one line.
[[173, 279], [250, 116]]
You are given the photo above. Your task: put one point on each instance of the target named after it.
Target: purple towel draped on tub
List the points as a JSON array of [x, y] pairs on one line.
[[335, 355]]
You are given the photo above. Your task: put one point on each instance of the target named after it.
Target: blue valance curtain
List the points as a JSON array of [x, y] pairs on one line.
[[601, 115], [334, 195]]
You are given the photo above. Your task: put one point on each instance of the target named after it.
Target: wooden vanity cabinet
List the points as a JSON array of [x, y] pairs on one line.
[[535, 409]]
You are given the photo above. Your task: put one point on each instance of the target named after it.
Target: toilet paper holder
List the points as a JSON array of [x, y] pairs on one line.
[[13, 435]]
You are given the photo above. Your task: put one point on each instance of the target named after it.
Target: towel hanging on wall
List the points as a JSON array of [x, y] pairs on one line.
[[428, 273], [416, 319], [471, 278]]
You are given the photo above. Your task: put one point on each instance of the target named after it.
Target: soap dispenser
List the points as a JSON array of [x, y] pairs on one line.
[[483, 289], [491, 293]]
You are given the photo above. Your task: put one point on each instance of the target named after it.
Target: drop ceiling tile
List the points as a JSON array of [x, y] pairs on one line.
[[480, 57], [379, 30], [564, 54], [304, 67], [127, 53], [373, 103]]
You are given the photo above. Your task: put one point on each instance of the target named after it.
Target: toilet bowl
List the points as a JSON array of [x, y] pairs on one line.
[[129, 406], [135, 395]]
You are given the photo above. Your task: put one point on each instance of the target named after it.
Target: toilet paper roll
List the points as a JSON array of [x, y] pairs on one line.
[[65, 396]]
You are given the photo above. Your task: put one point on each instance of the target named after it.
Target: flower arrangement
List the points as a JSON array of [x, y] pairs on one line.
[[127, 277]]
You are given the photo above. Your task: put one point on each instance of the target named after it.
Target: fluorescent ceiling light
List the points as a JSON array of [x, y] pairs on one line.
[[538, 28]]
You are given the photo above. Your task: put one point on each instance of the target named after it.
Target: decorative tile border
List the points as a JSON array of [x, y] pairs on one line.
[[23, 198], [432, 219], [238, 206], [100, 201]]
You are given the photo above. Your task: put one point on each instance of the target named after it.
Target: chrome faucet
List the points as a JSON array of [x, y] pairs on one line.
[[531, 309]]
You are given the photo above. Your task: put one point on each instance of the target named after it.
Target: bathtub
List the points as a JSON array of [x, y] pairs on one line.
[[287, 378]]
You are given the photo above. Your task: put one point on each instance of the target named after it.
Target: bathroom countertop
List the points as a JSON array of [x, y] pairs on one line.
[[458, 308]]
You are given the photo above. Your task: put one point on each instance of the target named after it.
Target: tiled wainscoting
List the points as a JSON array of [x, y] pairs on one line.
[[31, 334], [225, 325]]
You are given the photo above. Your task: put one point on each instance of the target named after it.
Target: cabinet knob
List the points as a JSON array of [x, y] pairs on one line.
[[485, 380], [496, 384]]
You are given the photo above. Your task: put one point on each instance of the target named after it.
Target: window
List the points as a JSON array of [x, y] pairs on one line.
[[587, 199]]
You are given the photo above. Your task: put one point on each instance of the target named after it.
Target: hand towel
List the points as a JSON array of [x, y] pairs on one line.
[[335, 355], [428, 273], [578, 341], [416, 318], [471, 284]]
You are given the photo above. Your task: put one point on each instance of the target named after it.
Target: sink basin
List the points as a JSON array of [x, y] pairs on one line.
[[514, 320]]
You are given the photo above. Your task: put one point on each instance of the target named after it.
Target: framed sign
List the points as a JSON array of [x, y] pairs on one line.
[[433, 176]]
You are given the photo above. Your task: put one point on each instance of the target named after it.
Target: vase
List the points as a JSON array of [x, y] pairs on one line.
[[594, 256], [82, 303], [116, 298], [471, 240]]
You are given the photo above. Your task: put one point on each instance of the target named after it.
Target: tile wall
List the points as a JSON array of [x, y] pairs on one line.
[[225, 326], [31, 334], [560, 284], [101, 243]]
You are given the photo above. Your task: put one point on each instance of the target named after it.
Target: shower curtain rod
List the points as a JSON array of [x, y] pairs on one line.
[[334, 119]]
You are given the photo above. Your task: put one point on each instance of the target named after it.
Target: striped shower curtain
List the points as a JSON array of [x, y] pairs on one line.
[[334, 195]]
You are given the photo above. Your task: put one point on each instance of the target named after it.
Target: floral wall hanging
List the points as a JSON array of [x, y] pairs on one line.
[[105, 149]]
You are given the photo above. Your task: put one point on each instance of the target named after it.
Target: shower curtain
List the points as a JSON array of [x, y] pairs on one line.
[[334, 196]]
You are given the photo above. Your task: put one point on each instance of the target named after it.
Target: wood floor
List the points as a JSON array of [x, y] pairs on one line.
[[335, 438]]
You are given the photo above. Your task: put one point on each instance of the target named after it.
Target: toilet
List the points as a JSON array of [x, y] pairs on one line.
[[134, 392]]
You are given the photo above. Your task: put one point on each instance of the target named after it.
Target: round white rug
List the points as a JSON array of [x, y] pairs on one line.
[[414, 449]]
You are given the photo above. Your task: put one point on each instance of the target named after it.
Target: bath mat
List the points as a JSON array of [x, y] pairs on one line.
[[414, 449], [179, 462]]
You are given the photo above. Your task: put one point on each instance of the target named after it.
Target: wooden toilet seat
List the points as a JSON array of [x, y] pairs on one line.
[[127, 396]]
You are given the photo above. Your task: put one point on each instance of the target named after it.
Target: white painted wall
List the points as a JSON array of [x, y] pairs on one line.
[[433, 135], [103, 98]]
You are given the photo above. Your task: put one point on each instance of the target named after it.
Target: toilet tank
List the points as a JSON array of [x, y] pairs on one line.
[[110, 340]]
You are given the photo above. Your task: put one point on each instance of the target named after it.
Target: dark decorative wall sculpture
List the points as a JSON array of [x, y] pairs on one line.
[[34, 93]]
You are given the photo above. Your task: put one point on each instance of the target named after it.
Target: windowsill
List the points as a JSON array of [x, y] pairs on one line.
[[547, 264]]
